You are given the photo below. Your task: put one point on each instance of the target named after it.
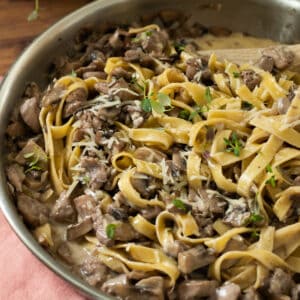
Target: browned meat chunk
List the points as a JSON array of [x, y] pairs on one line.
[[152, 285], [93, 271], [30, 111], [228, 291], [53, 95], [266, 63], [138, 56], [175, 248], [74, 101], [96, 172], [84, 205], [206, 203], [237, 213], [197, 289], [80, 229], [178, 161], [144, 184], [155, 43], [16, 129], [120, 286], [125, 232], [120, 72], [16, 176], [251, 79], [134, 115], [118, 213], [34, 212], [150, 212], [115, 40], [281, 283], [195, 258], [281, 56], [97, 74], [63, 210], [196, 69]]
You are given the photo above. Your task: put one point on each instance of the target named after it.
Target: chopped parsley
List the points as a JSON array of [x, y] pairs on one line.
[[179, 204], [85, 179], [184, 114], [236, 74], [233, 144], [35, 13], [162, 105], [198, 110], [110, 230], [256, 217], [142, 36], [272, 180], [179, 47], [207, 95]]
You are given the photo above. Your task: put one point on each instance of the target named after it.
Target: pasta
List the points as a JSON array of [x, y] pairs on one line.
[[162, 179]]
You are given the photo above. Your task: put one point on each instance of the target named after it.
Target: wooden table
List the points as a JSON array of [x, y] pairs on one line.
[[16, 32]]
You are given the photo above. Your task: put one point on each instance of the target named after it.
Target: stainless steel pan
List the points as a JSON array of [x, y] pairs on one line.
[[276, 19]]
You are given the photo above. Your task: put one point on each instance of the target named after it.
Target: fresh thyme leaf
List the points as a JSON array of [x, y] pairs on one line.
[[110, 230], [146, 105], [207, 95], [179, 204], [157, 106], [193, 115], [233, 144], [35, 13], [73, 73], [255, 234], [179, 47], [184, 114], [272, 181], [33, 168], [236, 74], [269, 169], [148, 33], [85, 179], [255, 217]]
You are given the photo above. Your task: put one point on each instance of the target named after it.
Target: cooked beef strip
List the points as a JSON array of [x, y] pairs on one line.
[[53, 95], [149, 154], [30, 111], [156, 43], [195, 258], [33, 212], [85, 206], [80, 229], [63, 210], [266, 63], [16, 129], [118, 213], [152, 285], [251, 294], [280, 283], [197, 289], [16, 176], [74, 102], [120, 286], [228, 291], [251, 79], [93, 271]]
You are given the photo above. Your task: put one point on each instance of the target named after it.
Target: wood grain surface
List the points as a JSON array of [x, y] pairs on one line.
[[16, 32]]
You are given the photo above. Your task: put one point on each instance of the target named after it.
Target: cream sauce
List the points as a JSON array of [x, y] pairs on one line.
[[234, 41]]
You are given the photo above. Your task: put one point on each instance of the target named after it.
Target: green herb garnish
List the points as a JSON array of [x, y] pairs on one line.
[[256, 217], [179, 47], [110, 230], [207, 95], [73, 73], [32, 162], [85, 179], [255, 234], [272, 181], [162, 105], [146, 105], [35, 13], [142, 36], [236, 74], [179, 204], [269, 169], [198, 110], [184, 114], [246, 105], [233, 144]]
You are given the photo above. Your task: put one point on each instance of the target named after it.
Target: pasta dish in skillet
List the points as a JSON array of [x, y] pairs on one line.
[[156, 173]]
